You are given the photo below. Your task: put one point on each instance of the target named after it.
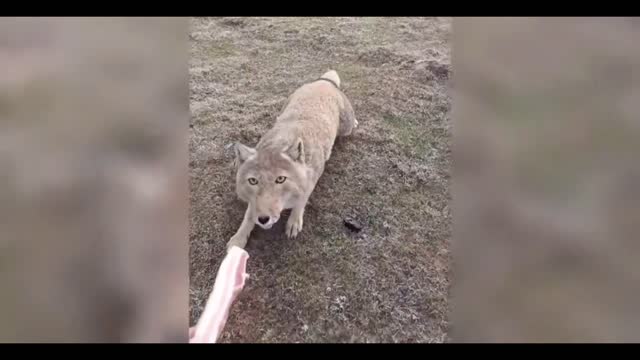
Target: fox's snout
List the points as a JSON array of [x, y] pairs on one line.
[[267, 213], [266, 221]]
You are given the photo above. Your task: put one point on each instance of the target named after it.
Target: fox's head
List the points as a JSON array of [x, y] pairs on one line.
[[270, 181]]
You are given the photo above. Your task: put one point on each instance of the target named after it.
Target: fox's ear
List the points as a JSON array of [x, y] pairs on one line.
[[243, 152], [296, 151]]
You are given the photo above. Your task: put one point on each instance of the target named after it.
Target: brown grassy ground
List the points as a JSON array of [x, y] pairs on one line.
[[388, 283]]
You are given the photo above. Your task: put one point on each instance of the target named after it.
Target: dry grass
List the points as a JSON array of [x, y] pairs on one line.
[[388, 283]]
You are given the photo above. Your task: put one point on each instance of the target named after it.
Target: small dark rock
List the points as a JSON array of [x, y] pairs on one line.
[[352, 224]]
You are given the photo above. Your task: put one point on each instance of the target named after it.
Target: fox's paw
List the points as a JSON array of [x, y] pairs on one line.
[[236, 240], [294, 225]]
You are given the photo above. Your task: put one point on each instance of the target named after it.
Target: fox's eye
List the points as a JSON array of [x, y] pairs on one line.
[[280, 179], [253, 181]]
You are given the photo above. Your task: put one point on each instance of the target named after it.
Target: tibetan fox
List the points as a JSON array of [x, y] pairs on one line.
[[281, 172]]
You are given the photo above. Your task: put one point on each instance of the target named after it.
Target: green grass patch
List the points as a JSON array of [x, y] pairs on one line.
[[414, 138]]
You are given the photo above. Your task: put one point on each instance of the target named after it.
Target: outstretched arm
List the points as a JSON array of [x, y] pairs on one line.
[[229, 282]]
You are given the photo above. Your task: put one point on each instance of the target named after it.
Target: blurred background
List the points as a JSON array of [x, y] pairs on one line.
[[545, 181], [93, 180]]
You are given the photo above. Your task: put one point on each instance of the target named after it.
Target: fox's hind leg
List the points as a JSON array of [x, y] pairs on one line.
[[348, 120]]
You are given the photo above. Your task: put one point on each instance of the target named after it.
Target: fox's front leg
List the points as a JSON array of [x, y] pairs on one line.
[[294, 224], [242, 235]]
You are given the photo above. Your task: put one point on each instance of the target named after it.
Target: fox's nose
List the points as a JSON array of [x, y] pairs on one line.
[[263, 219]]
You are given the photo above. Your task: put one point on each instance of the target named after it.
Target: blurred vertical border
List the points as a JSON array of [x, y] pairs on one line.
[[546, 180], [93, 180]]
